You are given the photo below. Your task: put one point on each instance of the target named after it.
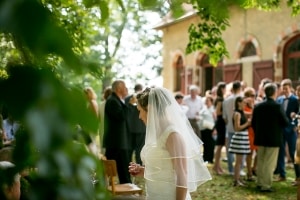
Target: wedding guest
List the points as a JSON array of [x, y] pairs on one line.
[[179, 98], [106, 93], [207, 127], [297, 155], [173, 165], [260, 91], [289, 103], [93, 107], [117, 139], [214, 92], [10, 127], [239, 144], [228, 110], [249, 95], [137, 128], [92, 100], [195, 104], [9, 190], [268, 120], [220, 127], [297, 93]]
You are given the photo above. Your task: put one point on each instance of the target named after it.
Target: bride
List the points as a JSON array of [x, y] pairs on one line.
[[173, 165]]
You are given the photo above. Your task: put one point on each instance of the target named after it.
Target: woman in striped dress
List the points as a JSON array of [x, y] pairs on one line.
[[239, 144]]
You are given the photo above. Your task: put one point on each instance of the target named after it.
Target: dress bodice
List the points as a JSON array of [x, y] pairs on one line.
[[159, 173], [243, 118]]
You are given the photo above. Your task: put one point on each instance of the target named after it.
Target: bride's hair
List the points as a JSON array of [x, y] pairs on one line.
[[143, 100]]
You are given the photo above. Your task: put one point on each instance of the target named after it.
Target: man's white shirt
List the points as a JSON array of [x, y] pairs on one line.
[[194, 105]]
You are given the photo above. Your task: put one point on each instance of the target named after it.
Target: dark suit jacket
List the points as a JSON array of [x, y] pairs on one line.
[[268, 120], [292, 106], [136, 125], [116, 133]]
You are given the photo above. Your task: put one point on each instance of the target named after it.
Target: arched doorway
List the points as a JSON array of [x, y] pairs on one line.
[[291, 60], [211, 75]]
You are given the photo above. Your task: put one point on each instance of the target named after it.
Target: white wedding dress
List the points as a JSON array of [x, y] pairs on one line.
[[160, 177]]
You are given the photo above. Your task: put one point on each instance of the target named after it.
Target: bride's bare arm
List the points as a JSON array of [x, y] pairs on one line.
[[177, 150]]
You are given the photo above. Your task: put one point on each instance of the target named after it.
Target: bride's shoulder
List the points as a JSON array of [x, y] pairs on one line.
[[169, 130]]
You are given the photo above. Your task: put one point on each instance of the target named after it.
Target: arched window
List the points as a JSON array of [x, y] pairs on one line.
[[248, 50], [179, 71]]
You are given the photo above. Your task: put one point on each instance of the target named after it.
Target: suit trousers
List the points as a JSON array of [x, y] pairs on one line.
[[289, 138], [195, 126], [138, 142], [208, 145], [266, 164], [122, 158]]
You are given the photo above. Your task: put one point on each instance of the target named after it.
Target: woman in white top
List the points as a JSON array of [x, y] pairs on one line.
[[207, 127], [173, 165]]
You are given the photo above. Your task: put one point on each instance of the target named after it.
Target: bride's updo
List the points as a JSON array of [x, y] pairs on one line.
[[143, 97], [157, 96]]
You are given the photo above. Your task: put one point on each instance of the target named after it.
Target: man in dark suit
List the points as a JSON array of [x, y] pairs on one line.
[[116, 139], [289, 103], [268, 120], [137, 127]]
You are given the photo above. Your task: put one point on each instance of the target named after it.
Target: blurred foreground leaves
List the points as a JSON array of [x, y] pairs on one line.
[[48, 109], [49, 112]]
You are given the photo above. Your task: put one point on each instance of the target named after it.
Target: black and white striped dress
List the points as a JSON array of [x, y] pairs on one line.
[[240, 143]]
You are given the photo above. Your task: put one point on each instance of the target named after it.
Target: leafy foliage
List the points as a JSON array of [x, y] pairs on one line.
[[214, 14], [45, 44], [49, 112], [295, 5]]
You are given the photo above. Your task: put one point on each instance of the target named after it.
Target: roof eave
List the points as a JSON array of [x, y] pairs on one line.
[[167, 23]]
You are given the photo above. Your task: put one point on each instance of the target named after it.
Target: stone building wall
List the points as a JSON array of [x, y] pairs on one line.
[[268, 31]]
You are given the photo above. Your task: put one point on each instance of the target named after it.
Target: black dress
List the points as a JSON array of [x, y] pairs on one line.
[[220, 126]]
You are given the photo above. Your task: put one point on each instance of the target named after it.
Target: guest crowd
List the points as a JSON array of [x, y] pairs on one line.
[[256, 127]]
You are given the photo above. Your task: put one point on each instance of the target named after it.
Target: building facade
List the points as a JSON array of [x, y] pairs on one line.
[[260, 44]]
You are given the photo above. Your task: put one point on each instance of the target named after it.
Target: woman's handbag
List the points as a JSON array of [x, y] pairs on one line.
[[206, 120], [208, 124]]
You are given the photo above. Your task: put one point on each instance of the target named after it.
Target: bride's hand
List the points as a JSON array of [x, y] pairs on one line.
[[135, 169]]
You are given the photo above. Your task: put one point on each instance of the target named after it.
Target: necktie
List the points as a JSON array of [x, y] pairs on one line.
[[285, 103]]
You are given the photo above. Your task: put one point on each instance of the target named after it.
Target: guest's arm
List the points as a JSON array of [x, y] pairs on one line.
[[237, 125]]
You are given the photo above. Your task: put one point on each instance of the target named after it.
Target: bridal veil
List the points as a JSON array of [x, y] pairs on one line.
[[164, 114]]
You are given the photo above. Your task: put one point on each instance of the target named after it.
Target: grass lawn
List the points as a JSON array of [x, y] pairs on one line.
[[221, 187]]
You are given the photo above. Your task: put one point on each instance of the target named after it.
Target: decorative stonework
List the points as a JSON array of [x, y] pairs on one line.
[[282, 37], [198, 58], [281, 40], [241, 45], [177, 59]]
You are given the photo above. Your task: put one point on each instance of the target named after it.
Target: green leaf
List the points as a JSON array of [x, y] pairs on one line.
[[89, 3], [104, 10], [148, 3]]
